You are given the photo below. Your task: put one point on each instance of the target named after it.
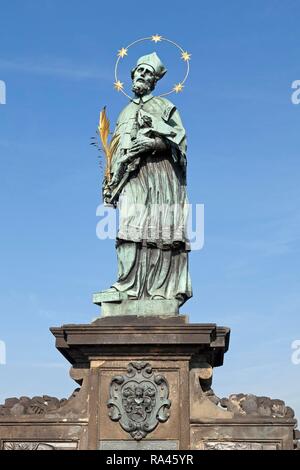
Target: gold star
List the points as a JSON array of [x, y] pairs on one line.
[[122, 52], [186, 56], [118, 85], [156, 38], [177, 88]]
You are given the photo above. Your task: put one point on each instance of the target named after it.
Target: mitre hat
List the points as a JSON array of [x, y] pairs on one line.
[[154, 61]]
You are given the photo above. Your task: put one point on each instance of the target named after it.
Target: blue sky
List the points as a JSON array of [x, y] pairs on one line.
[[57, 60]]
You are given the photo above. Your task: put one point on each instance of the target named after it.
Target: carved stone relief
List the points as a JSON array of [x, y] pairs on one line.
[[139, 400]]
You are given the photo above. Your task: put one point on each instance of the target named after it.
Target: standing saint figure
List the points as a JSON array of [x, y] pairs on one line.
[[148, 178]]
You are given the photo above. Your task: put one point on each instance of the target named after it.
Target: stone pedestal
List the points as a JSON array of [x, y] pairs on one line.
[[145, 383], [150, 347]]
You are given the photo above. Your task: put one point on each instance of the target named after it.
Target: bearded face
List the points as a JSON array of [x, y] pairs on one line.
[[143, 80]]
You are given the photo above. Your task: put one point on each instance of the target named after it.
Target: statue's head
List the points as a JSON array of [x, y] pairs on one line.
[[148, 70]]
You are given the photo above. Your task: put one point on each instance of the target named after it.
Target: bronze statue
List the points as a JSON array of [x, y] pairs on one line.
[[148, 179]]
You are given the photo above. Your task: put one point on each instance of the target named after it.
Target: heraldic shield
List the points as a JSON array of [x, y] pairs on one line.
[[139, 400]]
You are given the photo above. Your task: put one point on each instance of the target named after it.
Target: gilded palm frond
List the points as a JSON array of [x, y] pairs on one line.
[[108, 148], [103, 128]]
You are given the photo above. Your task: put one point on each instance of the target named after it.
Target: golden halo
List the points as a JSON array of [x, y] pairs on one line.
[[155, 38]]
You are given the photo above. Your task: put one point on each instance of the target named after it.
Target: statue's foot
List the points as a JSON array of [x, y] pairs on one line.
[[110, 290]]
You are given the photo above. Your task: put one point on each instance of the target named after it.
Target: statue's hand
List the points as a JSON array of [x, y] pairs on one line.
[[106, 193], [141, 145]]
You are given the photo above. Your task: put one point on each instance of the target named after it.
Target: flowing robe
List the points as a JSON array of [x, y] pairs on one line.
[[152, 246]]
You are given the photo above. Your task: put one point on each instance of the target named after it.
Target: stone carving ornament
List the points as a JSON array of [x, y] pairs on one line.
[[11, 445], [248, 404], [38, 405], [228, 445], [139, 400]]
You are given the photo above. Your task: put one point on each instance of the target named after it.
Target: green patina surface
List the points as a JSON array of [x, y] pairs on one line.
[[148, 178]]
